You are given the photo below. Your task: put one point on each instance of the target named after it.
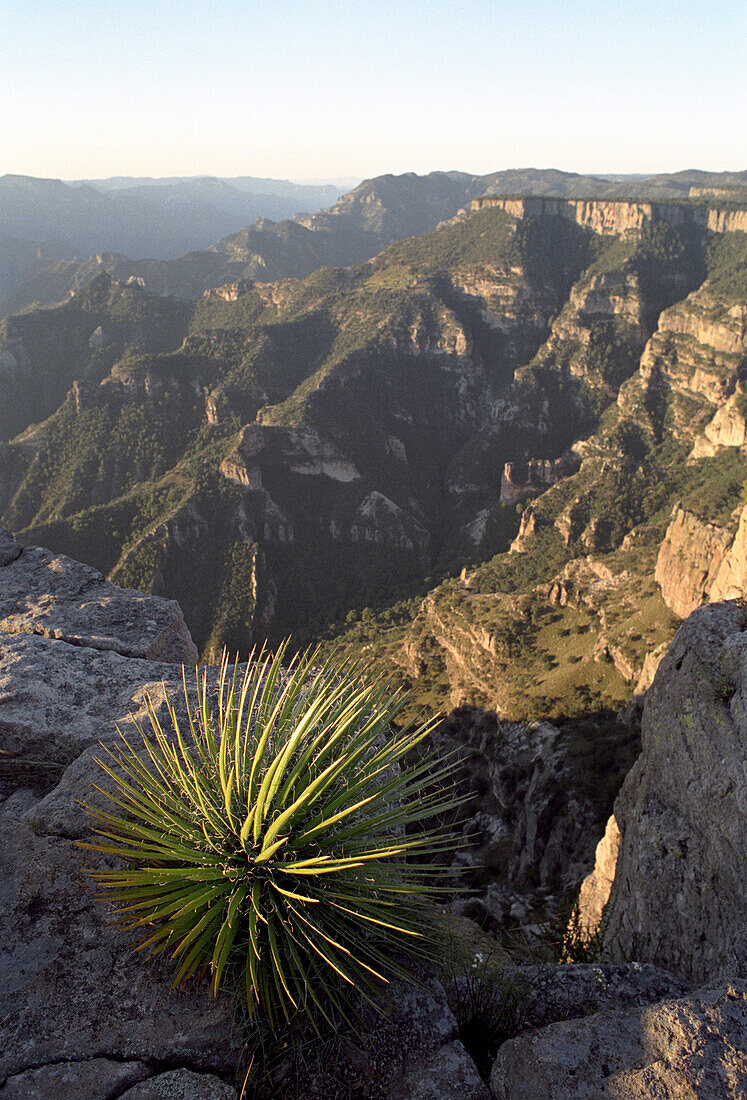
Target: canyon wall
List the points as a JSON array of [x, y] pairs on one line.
[[617, 216]]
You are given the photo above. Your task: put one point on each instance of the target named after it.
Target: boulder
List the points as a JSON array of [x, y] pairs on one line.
[[679, 896], [449, 1074], [93, 1079], [546, 993], [691, 1047], [411, 1052], [181, 1084], [59, 698], [57, 597], [72, 987]]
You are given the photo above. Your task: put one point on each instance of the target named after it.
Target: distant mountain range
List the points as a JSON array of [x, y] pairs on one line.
[[45, 221], [55, 236]]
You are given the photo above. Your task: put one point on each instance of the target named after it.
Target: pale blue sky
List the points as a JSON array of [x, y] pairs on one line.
[[322, 88]]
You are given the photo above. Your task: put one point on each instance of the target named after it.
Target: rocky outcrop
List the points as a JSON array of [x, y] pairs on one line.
[[618, 216], [700, 562], [689, 560], [552, 993], [727, 428], [527, 530], [379, 520], [299, 451], [520, 481], [689, 371], [53, 596], [691, 1047], [679, 895], [595, 889]]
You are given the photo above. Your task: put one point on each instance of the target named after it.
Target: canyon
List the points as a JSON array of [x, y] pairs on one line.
[[81, 658], [323, 445], [488, 437]]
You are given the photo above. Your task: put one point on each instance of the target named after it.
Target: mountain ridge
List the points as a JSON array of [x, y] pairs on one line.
[[361, 222]]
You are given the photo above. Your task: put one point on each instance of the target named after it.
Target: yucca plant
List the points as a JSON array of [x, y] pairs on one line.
[[279, 839]]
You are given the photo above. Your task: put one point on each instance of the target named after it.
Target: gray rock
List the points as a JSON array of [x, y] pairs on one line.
[[679, 896], [57, 597], [181, 1084], [61, 812], [693, 1047], [449, 1074], [96, 1079], [56, 699], [547, 993], [9, 548], [16, 804], [411, 1051], [72, 987]]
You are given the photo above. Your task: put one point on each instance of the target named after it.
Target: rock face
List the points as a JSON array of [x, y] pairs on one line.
[[679, 896], [81, 1014], [521, 481], [700, 562], [692, 1047], [303, 452], [689, 382], [730, 582], [618, 216], [595, 889]]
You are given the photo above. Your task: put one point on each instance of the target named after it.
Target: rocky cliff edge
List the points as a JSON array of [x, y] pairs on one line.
[[675, 853], [82, 1014]]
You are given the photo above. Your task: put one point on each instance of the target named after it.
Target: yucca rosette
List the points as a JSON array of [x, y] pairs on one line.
[[285, 837]]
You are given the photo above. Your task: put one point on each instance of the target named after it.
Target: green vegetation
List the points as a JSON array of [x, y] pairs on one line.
[[52, 349], [285, 846], [727, 265], [485, 237], [711, 488], [489, 1006], [426, 369]]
